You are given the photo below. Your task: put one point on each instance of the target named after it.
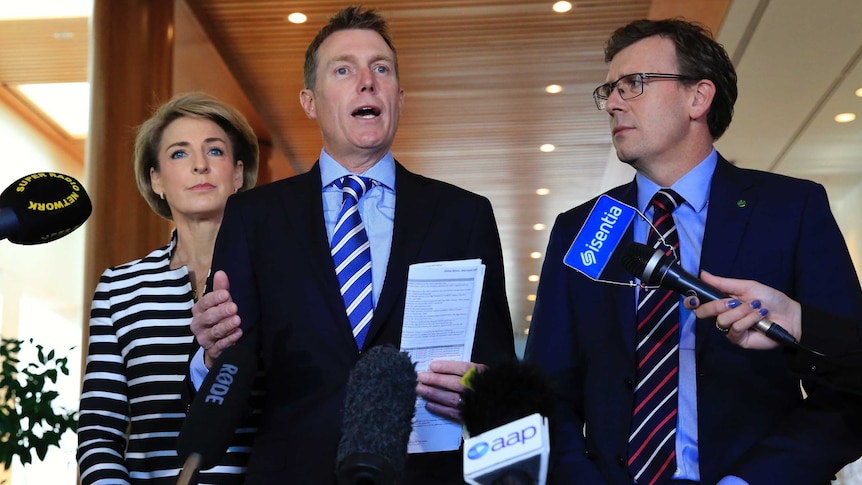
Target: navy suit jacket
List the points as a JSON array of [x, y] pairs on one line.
[[273, 246], [752, 421]]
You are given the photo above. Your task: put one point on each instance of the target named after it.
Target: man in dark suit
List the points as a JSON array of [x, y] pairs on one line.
[[736, 415], [274, 247]]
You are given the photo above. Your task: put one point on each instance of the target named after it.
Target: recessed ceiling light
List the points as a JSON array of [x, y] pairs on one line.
[[562, 7], [535, 255], [538, 227], [553, 88], [527, 330], [531, 297], [547, 148], [533, 278], [68, 104], [845, 117], [543, 191], [46, 9], [297, 18], [859, 92]]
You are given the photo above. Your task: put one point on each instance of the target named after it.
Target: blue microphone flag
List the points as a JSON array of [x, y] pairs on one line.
[[599, 236]]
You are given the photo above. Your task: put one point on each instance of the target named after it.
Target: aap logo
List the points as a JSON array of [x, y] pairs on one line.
[[478, 450]]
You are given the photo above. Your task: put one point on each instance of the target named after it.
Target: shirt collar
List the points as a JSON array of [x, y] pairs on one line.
[[383, 171], [693, 186]]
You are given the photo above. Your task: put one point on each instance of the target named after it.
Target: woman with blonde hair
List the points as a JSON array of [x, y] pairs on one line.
[[190, 156]]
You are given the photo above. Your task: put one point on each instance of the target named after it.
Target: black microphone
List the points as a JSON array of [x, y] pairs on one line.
[[42, 207], [496, 400], [654, 268], [219, 407], [378, 410]]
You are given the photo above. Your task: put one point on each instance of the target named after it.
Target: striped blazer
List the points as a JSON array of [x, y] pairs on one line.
[[131, 409]]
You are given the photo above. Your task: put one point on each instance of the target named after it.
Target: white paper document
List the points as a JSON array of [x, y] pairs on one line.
[[442, 304]]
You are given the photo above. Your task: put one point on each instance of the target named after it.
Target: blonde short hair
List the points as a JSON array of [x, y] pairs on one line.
[[198, 105]]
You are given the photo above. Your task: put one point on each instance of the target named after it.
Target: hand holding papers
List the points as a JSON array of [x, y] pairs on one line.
[[442, 304]]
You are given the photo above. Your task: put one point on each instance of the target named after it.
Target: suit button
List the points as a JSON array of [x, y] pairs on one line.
[[621, 460], [630, 384]]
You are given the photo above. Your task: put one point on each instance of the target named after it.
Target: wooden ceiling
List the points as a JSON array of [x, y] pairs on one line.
[[474, 72]]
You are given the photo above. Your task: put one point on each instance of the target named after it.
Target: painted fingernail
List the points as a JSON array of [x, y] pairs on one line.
[[763, 312], [755, 304], [733, 303], [692, 301]]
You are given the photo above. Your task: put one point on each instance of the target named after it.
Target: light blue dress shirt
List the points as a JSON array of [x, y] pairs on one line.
[[376, 208]]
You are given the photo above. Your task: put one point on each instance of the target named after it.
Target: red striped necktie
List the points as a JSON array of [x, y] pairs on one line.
[[652, 441]]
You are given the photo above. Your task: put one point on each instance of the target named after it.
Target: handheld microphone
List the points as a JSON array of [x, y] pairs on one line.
[[378, 410], [42, 207], [219, 407], [654, 268], [506, 409]]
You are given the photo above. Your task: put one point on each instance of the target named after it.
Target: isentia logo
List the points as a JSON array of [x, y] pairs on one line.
[[482, 448], [609, 219]]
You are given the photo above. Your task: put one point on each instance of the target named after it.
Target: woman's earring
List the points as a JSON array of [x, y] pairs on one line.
[[162, 196]]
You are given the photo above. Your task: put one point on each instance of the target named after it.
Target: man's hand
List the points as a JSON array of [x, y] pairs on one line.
[[441, 387], [215, 323]]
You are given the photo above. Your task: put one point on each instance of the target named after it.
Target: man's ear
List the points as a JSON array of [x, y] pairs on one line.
[[703, 94], [306, 99]]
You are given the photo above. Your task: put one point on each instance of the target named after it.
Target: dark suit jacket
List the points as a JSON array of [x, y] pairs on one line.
[[274, 248], [751, 419]]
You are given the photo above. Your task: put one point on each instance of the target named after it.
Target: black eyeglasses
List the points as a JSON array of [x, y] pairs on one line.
[[630, 86]]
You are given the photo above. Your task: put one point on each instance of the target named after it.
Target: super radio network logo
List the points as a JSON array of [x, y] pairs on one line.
[[600, 235]]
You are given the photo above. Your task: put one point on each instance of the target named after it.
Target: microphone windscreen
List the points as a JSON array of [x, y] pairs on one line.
[[504, 393], [379, 405], [220, 406], [636, 259], [48, 206]]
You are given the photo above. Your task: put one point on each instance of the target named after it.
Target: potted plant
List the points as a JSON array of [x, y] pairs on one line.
[[28, 421]]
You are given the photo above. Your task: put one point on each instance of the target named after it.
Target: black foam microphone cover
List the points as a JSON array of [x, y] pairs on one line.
[[379, 405], [504, 393], [46, 207], [219, 407]]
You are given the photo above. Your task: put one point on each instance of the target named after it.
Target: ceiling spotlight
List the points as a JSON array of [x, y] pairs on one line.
[[543, 191], [527, 330], [535, 255], [553, 88], [562, 7], [297, 18], [531, 297], [538, 227], [533, 278], [547, 148], [859, 92], [845, 117]]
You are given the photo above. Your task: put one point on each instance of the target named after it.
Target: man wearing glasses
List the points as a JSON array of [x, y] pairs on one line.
[[684, 405]]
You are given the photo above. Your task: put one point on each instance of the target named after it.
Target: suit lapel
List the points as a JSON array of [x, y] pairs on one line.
[[414, 208], [731, 202], [624, 296], [303, 208]]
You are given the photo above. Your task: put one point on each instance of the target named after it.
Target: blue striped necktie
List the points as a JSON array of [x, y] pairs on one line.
[[351, 253], [652, 442]]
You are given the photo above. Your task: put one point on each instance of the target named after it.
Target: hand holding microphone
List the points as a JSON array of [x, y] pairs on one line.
[[654, 268], [738, 316]]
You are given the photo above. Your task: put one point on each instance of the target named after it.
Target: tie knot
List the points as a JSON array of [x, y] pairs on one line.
[[354, 186], [666, 200]]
